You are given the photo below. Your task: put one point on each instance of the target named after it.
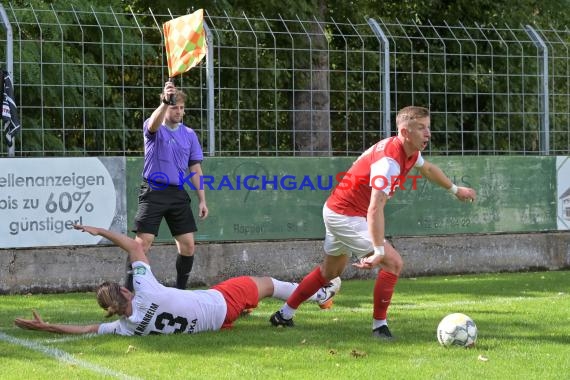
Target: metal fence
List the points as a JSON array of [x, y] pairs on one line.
[[85, 79]]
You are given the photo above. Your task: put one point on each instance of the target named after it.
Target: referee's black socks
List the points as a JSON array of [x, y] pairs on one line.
[[183, 268]]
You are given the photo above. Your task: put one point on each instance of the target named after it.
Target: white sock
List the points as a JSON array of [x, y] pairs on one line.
[[287, 311], [282, 290], [378, 322]]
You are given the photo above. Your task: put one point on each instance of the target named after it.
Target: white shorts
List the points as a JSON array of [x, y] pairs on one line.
[[346, 235]]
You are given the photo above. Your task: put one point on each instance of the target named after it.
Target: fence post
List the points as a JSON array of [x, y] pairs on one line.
[[9, 63], [385, 74], [210, 89], [543, 106]]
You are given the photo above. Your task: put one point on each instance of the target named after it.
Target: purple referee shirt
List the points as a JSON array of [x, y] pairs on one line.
[[167, 152]]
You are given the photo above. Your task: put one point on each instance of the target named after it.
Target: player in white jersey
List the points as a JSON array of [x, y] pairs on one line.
[[156, 309]]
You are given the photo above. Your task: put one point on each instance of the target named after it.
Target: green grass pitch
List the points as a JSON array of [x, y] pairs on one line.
[[523, 322]]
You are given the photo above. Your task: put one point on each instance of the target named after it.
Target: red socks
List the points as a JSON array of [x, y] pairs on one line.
[[309, 286], [383, 290]]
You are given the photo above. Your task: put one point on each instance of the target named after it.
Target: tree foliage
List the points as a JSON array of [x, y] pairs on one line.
[[98, 80]]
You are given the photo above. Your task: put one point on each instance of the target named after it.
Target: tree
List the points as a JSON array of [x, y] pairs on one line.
[[90, 96]]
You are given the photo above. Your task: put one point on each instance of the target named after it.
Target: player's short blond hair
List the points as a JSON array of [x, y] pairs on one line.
[[410, 113]]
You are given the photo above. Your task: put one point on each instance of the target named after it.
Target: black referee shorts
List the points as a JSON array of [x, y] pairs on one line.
[[170, 203]]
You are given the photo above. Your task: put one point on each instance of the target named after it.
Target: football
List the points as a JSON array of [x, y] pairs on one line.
[[457, 330]]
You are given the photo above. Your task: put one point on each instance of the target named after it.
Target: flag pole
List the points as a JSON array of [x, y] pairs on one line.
[[172, 98]]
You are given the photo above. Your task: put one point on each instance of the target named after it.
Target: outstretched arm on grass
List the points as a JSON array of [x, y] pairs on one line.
[[38, 324], [132, 247]]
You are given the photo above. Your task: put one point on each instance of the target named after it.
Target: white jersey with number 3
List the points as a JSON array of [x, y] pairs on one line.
[[158, 309]]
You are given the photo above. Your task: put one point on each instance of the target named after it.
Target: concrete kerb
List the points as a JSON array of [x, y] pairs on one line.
[[66, 269]]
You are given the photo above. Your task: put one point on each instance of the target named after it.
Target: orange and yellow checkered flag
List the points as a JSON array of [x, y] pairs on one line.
[[185, 41]]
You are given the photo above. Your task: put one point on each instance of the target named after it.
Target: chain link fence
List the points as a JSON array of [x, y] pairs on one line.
[[85, 80]]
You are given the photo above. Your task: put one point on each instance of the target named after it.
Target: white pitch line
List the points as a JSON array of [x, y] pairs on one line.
[[64, 357], [69, 338]]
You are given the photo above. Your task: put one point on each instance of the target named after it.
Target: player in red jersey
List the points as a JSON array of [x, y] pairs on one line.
[[354, 216]]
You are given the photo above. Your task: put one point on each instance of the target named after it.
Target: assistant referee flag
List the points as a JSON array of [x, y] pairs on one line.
[[185, 41]]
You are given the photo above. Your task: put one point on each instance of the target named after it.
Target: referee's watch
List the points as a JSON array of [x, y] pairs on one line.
[[165, 101]]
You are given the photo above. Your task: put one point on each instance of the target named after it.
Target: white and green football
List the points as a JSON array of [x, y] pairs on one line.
[[457, 329]]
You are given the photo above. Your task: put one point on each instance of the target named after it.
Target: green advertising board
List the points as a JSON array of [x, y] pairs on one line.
[[280, 198], [514, 194]]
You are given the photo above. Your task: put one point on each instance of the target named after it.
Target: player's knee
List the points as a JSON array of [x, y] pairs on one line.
[[330, 272], [186, 247], [398, 265], [393, 262], [187, 251], [333, 266]]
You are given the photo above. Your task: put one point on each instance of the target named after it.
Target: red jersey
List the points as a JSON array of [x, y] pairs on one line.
[[351, 196]]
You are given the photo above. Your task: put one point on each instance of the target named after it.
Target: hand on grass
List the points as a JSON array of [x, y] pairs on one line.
[[31, 324]]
